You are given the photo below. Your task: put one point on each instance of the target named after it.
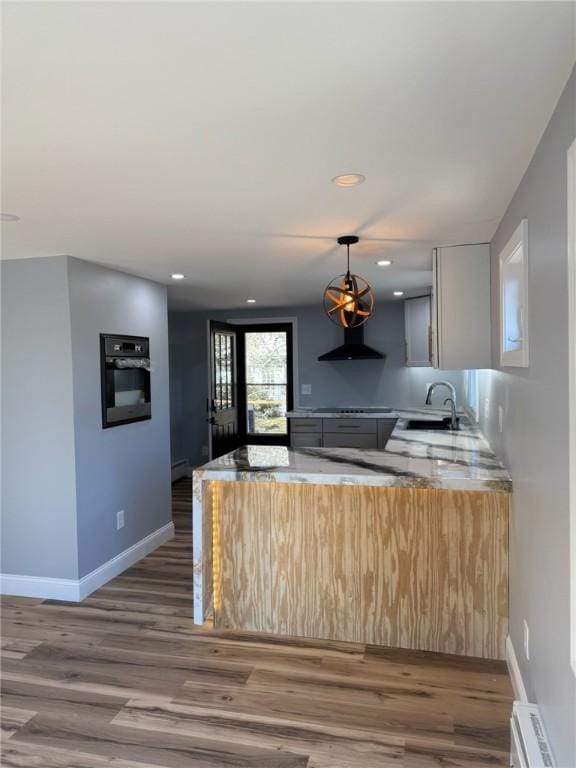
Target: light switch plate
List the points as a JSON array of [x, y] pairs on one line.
[[119, 519], [306, 389], [500, 418]]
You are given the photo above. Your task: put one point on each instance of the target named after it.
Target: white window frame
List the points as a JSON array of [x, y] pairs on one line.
[[472, 393], [517, 358], [571, 220]]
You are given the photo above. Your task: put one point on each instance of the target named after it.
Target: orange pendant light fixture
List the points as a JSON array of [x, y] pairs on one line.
[[348, 299]]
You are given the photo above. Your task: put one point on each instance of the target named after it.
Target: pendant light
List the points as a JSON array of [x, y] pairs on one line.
[[348, 299]]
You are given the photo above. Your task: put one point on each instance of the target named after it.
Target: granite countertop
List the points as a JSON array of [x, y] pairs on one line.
[[459, 460], [343, 413]]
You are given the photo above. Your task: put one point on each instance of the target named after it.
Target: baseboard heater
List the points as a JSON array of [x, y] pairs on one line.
[[530, 747]]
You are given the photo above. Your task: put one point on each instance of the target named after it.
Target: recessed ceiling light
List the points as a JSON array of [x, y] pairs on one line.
[[384, 262], [349, 179], [9, 217], [250, 301], [398, 293], [177, 276]]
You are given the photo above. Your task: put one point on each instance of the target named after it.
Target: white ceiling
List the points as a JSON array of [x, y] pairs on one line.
[[202, 137]]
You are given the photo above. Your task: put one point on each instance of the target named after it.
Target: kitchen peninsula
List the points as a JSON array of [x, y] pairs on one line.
[[405, 546]]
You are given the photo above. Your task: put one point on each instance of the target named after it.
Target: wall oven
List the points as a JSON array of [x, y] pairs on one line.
[[125, 368]]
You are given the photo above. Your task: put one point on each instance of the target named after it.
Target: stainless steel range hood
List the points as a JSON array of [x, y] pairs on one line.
[[353, 348]]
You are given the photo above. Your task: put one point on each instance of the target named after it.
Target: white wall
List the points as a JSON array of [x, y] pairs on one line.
[[64, 477], [534, 440], [125, 467], [38, 475]]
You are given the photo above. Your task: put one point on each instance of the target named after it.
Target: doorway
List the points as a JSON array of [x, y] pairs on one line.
[[251, 385], [265, 391]]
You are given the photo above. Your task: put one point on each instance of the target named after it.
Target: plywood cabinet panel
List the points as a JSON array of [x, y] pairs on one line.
[[315, 543], [242, 576], [412, 568]]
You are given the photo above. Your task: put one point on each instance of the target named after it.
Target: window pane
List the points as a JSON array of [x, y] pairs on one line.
[[266, 357], [266, 405], [266, 382]]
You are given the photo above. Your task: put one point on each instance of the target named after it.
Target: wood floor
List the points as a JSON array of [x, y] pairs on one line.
[[125, 679]]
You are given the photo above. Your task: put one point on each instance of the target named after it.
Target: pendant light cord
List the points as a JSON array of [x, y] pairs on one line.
[[348, 249]]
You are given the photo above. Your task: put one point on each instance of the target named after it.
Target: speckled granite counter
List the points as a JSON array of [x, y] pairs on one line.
[[448, 460]]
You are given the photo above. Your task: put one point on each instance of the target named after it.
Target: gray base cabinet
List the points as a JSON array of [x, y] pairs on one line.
[[340, 432]]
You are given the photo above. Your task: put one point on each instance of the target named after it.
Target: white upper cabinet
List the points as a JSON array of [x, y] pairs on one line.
[[417, 319], [461, 335]]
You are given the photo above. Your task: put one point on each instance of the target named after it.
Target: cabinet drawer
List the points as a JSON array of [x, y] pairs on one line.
[[304, 440], [306, 425], [348, 440], [363, 426]]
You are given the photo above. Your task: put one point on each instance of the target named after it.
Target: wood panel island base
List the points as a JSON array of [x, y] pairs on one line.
[[364, 557]]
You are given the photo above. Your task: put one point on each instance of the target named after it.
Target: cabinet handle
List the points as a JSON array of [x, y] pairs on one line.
[[429, 343]]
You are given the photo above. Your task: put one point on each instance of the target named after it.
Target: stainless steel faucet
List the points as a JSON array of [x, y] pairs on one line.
[[451, 400]]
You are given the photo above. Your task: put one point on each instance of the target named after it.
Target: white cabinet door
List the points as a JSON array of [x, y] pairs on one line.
[[418, 331], [461, 307]]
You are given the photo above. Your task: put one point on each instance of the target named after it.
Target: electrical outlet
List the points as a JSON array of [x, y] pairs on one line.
[[306, 389], [204, 450], [526, 640], [500, 418], [486, 408], [119, 519]]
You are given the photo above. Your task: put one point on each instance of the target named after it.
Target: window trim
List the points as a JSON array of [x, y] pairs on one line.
[[571, 236], [517, 358]]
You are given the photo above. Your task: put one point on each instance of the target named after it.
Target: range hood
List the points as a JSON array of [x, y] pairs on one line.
[[353, 348]]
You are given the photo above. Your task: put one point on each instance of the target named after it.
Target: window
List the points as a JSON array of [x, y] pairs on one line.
[[266, 355], [265, 381], [472, 393], [223, 370], [514, 299]]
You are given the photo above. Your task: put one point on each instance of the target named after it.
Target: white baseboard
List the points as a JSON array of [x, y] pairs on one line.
[[38, 586], [75, 590], [180, 469], [124, 560], [515, 674]]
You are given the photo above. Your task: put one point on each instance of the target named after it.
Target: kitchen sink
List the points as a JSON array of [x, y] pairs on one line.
[[429, 424]]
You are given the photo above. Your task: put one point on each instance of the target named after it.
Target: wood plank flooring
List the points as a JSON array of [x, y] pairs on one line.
[[125, 679]]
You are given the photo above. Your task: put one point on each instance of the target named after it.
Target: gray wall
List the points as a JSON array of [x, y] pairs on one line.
[[125, 467], [534, 441], [38, 478], [64, 476], [345, 383]]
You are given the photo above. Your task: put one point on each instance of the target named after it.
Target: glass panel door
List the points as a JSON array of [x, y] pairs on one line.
[[266, 382]]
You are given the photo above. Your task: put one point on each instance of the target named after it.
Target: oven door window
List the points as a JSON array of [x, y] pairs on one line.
[[129, 386]]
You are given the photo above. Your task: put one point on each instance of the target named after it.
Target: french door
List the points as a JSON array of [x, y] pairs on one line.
[[223, 389]]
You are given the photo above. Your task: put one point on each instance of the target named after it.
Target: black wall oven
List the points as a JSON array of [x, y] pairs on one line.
[[125, 367]]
